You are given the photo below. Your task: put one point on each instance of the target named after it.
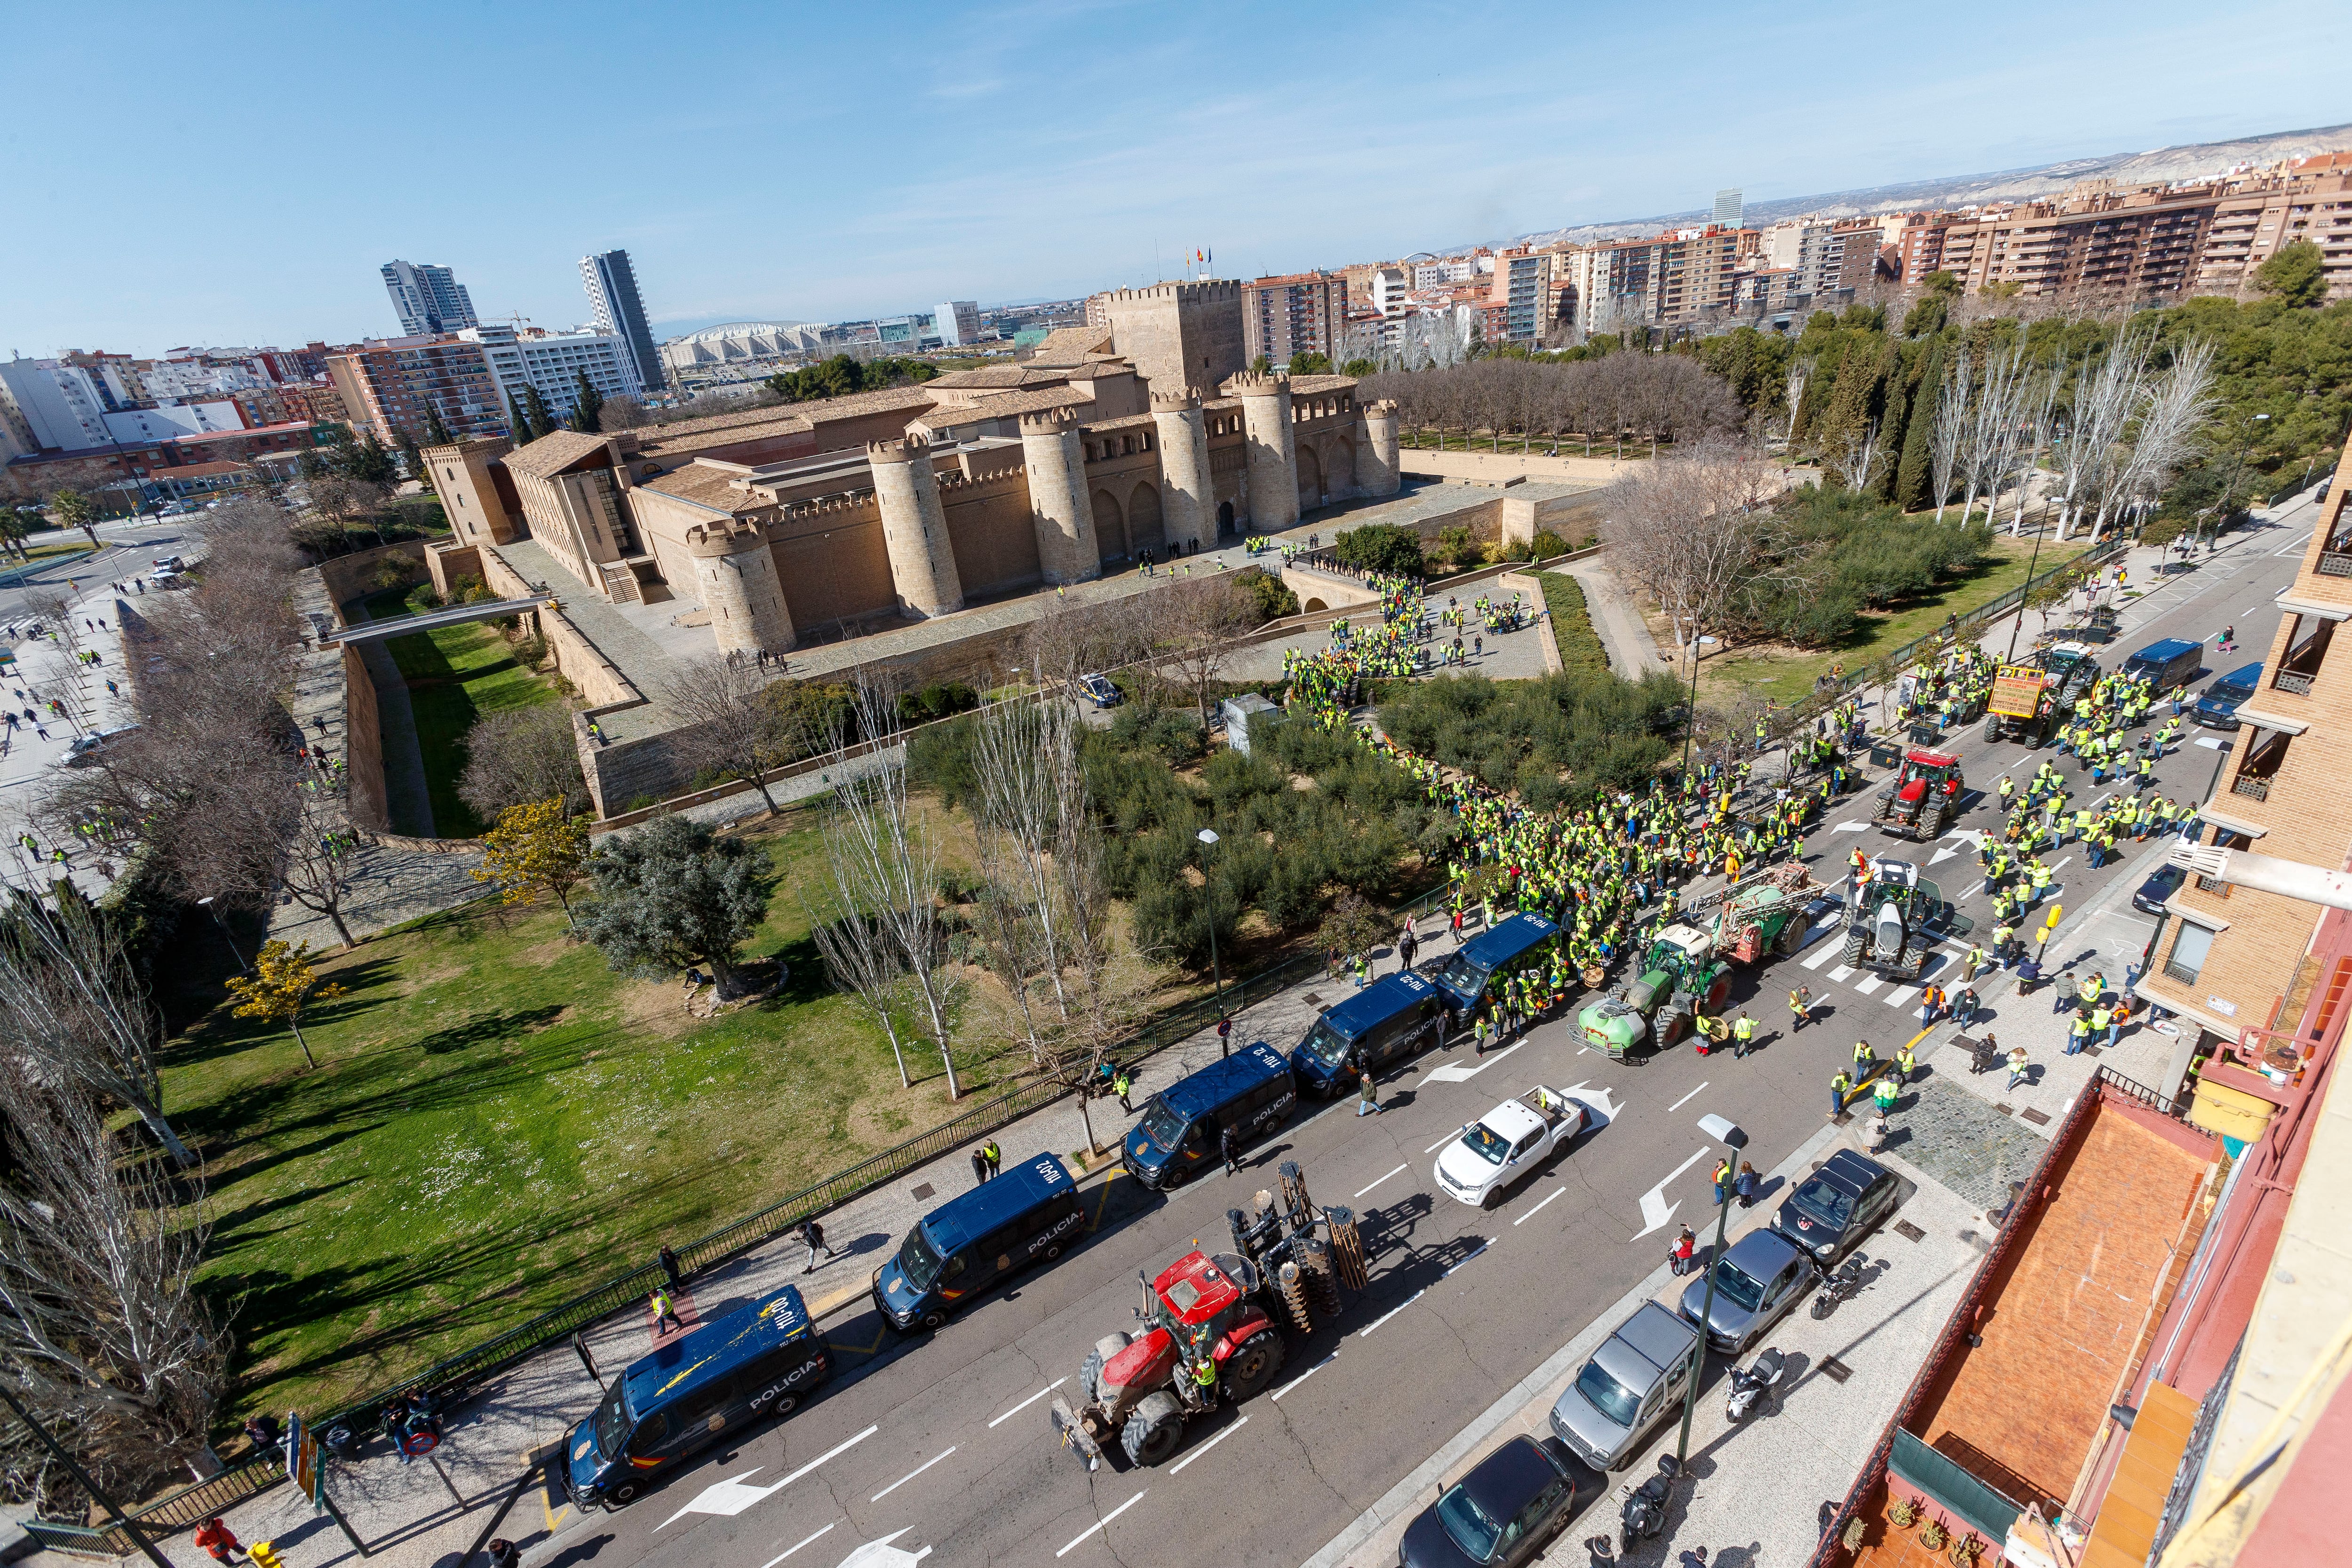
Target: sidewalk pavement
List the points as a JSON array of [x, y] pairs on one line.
[[406, 1515], [1752, 1492], [46, 668], [1632, 651]]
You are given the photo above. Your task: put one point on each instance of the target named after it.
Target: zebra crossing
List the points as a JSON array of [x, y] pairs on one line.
[[1875, 986]]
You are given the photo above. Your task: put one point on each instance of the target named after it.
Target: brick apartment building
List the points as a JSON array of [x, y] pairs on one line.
[[1666, 279], [2227, 953], [1299, 313], [2312, 201], [386, 385]]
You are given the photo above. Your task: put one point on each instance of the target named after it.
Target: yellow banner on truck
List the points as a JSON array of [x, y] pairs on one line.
[[2017, 691]]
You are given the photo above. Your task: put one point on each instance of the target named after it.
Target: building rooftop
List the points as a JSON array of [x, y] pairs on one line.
[[1004, 405], [1069, 345], [706, 484], [552, 453], [777, 419], [996, 378]]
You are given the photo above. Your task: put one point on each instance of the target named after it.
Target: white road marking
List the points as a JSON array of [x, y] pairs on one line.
[[1531, 1214], [1686, 1100], [1302, 1376], [1850, 828], [1465, 1263], [1028, 1402], [909, 1476], [1384, 1317], [1178, 1467], [1463, 1075], [1900, 995], [1442, 1142], [1870, 986], [1840, 973], [1102, 1523], [1821, 958], [731, 1496], [1656, 1210], [1599, 1099], [1376, 1181], [803, 1541]]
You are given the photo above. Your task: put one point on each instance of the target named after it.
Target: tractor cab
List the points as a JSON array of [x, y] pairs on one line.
[[1198, 1298], [1926, 772]]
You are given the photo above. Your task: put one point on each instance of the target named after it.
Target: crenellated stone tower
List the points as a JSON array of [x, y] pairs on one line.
[[1271, 453], [1380, 468], [1060, 511], [1188, 505], [914, 527], [735, 573]]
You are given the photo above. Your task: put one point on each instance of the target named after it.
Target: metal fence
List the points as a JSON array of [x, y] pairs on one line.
[[1984, 614], [182, 1510]]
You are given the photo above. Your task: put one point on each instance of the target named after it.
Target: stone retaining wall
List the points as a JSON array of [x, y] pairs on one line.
[[350, 576], [362, 744]]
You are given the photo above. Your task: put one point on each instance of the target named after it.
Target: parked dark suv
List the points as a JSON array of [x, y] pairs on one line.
[[1837, 1205]]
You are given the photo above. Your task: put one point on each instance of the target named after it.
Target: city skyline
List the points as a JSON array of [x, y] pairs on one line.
[[971, 179]]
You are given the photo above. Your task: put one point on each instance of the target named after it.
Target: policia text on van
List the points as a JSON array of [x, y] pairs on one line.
[[1183, 1126], [969, 1244], [757, 1360]]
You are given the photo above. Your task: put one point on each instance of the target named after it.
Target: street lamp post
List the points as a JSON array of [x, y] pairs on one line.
[[2221, 507], [2023, 589], [1728, 1134], [1690, 719], [242, 966], [1208, 836]]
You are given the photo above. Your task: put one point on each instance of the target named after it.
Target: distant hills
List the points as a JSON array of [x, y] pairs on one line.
[[2163, 165]]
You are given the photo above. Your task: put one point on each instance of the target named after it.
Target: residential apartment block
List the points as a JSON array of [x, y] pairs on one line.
[[2312, 200], [1516, 308], [386, 385], [612, 284], [427, 298], [2229, 954], [1669, 279], [1301, 312], [553, 362]]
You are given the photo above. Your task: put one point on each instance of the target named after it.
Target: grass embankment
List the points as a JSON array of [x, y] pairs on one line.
[[499, 1120], [1582, 651], [1787, 675], [455, 675]]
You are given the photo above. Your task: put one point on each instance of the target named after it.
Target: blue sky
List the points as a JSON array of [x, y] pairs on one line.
[[236, 172]]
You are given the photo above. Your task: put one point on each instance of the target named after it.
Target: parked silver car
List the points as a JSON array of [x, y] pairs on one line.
[[1631, 1383], [1757, 1281]]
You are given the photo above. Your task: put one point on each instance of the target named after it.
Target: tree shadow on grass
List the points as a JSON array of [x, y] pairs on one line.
[[485, 1028]]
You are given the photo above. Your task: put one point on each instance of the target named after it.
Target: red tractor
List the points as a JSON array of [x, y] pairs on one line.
[[1211, 1327], [1924, 798]]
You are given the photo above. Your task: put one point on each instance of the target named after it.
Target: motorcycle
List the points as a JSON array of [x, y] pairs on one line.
[[1749, 1383], [1645, 1511], [1843, 1286]]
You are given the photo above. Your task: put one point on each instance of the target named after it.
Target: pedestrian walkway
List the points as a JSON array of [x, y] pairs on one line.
[[50, 667], [1632, 651]]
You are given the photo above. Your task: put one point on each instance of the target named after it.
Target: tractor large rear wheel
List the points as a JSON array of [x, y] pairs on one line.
[[1154, 1432], [1249, 1369], [1792, 934], [1856, 938], [1672, 1021]]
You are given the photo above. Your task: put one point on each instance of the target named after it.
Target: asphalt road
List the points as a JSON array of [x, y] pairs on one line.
[[125, 551], [941, 1446]]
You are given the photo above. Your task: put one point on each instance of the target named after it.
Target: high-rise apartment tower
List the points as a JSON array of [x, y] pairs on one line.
[[612, 289], [428, 299]]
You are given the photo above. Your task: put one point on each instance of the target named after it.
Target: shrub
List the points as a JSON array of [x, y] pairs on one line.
[[1380, 547], [1269, 600], [1549, 544]]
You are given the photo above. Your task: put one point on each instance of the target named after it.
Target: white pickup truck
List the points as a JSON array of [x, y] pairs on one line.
[[1506, 1143]]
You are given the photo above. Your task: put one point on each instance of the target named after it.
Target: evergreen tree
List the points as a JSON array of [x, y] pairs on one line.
[[543, 423], [587, 406], [411, 457], [2294, 274], [519, 421], [1914, 477], [370, 460], [673, 893], [1895, 414], [436, 429]]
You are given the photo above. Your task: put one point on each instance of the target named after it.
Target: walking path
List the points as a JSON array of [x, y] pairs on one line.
[[47, 665], [1632, 652]]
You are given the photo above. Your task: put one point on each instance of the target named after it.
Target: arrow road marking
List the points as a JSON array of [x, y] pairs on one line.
[[1102, 1523], [1599, 1099], [1376, 1181], [1656, 1210], [732, 1496], [1686, 1100], [882, 1555], [1028, 1402], [1463, 1075]]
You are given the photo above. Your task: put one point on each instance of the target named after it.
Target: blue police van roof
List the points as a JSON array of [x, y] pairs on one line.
[[1016, 1189], [2165, 652], [2245, 678], [1376, 1004], [1509, 939], [1218, 1082], [715, 1350]]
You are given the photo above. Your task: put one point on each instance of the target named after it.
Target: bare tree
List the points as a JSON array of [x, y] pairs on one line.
[[2174, 405], [1693, 532], [1193, 626], [885, 871], [102, 1331], [517, 756], [622, 412], [68, 1002], [736, 718], [1953, 413], [1860, 459]]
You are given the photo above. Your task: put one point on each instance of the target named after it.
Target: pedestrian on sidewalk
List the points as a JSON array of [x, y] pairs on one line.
[[670, 1270], [2062, 994], [1368, 1095], [504, 1554], [664, 1312], [979, 1167], [1885, 1093], [1863, 1057], [993, 1155], [1722, 1182], [220, 1541], [1230, 1145], [1878, 1131], [1123, 1085], [1964, 1006], [1839, 1087], [1685, 1248], [814, 1233], [1745, 1186], [2016, 1064], [1407, 945], [1801, 1008], [1743, 1035], [1904, 1063]]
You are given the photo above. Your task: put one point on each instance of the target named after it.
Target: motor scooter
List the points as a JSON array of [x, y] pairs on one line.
[[1751, 1382], [1644, 1513], [1843, 1286]]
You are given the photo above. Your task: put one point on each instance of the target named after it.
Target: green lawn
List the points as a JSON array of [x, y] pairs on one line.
[[455, 674], [1787, 675], [1581, 649], [498, 1121]]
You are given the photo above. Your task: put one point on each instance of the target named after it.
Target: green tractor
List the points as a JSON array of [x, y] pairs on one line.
[[1681, 978]]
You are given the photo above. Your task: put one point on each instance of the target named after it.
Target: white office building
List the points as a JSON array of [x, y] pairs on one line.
[[554, 362], [958, 321], [53, 405]]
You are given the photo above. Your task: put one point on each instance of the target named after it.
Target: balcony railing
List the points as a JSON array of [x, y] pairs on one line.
[[2253, 789], [2336, 563], [2180, 971], [2289, 681]]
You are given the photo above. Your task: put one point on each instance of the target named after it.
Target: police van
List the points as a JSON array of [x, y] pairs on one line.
[[967, 1245], [1394, 1018], [1513, 945], [1183, 1126], [757, 1360]]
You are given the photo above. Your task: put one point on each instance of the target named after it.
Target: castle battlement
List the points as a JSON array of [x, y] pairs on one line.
[[905, 450], [1250, 383], [1177, 402], [1049, 421], [1190, 290], [1001, 479]]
